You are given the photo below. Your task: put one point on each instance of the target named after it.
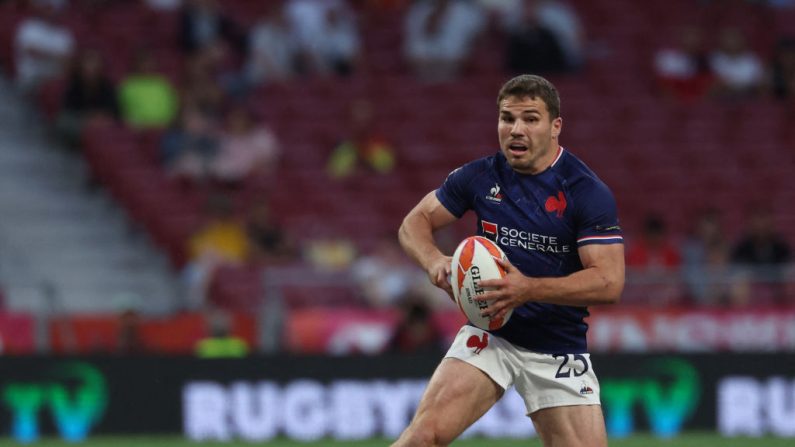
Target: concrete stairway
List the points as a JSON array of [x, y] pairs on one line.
[[65, 247]]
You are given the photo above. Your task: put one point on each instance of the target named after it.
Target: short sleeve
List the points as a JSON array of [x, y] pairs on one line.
[[597, 216], [455, 193]]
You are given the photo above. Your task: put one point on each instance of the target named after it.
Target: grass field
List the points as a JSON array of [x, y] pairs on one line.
[[686, 440]]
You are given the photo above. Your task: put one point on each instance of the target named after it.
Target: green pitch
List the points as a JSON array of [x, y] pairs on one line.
[[686, 440]]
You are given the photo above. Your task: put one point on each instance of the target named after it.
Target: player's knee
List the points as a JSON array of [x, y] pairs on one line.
[[427, 434]]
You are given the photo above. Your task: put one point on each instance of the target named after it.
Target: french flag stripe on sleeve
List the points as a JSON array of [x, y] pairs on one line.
[[613, 238]]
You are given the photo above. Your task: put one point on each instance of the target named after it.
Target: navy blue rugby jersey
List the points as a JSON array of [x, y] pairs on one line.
[[539, 221]]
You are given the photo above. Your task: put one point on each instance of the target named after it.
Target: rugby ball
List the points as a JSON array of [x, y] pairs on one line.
[[473, 261]]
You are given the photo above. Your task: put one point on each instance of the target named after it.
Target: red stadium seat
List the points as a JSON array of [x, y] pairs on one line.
[[237, 288]]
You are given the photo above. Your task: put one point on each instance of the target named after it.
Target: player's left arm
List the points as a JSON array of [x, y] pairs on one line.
[[601, 281]]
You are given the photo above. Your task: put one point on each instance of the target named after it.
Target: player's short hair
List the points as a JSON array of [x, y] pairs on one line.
[[532, 86]]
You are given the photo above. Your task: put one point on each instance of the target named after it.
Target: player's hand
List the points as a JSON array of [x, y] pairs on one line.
[[439, 274], [505, 293]]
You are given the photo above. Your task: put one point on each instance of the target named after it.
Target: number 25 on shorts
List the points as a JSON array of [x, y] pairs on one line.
[[565, 370]]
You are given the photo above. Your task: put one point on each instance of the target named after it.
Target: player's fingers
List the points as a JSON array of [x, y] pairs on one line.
[[491, 283], [443, 279], [488, 296], [505, 264], [494, 311]]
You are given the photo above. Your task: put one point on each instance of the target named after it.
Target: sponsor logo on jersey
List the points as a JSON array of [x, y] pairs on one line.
[[489, 229], [494, 194], [585, 389], [556, 205], [511, 237]]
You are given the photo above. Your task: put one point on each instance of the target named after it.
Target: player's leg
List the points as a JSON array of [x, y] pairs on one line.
[[561, 392], [457, 395], [571, 426]]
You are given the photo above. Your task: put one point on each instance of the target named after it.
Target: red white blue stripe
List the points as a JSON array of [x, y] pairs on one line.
[[611, 238]]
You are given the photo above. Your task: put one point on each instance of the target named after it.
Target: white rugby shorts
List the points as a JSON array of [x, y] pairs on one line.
[[543, 380]]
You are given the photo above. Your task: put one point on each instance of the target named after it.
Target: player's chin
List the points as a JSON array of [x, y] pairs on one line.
[[518, 163]]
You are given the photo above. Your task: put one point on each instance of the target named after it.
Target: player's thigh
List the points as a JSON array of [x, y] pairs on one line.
[[571, 426], [457, 395]]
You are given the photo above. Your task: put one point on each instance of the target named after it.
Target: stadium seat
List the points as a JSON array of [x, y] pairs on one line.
[[237, 288]]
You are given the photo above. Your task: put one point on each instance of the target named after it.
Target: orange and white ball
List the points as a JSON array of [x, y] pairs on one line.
[[475, 260]]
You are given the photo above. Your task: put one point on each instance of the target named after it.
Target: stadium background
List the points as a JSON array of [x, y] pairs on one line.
[[95, 240]]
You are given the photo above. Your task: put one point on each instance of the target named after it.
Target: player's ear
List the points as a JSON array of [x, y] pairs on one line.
[[557, 127]]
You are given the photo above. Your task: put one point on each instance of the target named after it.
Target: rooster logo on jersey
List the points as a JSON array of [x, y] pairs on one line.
[[556, 204], [494, 194]]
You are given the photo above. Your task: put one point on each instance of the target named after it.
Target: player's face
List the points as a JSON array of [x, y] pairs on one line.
[[528, 137]]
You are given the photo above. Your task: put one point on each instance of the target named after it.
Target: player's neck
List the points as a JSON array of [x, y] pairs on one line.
[[547, 160]]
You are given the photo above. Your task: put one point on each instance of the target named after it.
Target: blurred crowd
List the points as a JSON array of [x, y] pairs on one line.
[[705, 268], [210, 138], [724, 66]]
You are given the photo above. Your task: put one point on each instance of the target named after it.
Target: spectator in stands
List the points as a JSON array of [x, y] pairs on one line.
[[89, 96], [783, 69], [705, 256], [163, 5], [338, 51], [268, 240], [439, 36], [327, 33], [761, 245], [42, 48], [682, 70], [204, 26], [385, 275], [652, 262], [129, 339], [557, 17], [221, 241], [274, 49], [654, 250], [202, 86], [416, 331], [246, 149], [330, 252], [223, 237], [562, 19], [147, 99], [190, 149], [761, 255], [363, 146], [738, 71], [221, 342], [531, 46]]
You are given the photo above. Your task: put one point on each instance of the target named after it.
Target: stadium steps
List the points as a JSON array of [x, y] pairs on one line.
[[66, 247]]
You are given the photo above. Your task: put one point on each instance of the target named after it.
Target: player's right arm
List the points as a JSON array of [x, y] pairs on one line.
[[416, 237]]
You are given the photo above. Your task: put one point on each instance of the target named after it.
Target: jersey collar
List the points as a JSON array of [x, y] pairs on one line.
[[557, 157]]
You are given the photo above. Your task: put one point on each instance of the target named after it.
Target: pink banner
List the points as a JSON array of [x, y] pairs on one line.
[[691, 330], [17, 333], [612, 329], [339, 331]]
